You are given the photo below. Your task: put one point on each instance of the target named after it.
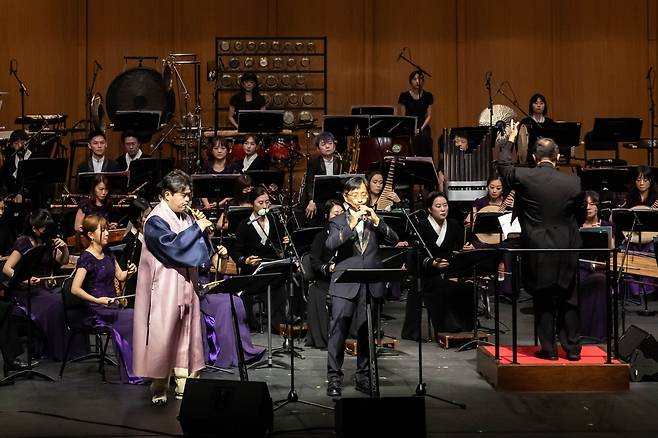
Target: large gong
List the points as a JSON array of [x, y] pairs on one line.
[[139, 90]]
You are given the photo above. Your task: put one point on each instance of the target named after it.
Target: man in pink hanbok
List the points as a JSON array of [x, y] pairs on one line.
[[167, 329]]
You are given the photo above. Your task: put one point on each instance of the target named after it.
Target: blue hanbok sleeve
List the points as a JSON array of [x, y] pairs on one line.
[[189, 248]]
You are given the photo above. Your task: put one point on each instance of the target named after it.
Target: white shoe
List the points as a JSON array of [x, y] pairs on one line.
[[159, 389]]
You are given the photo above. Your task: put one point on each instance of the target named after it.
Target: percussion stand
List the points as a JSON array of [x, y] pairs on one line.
[[421, 388], [21, 88], [652, 116]]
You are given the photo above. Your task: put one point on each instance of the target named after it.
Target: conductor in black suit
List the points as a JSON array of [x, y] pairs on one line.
[[98, 162], [355, 236], [327, 163], [550, 205]]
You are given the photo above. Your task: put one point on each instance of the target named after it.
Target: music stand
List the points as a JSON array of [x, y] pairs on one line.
[[261, 122], [281, 267], [247, 284], [151, 171], [416, 170], [217, 186], [486, 222], [605, 179], [565, 135], [326, 187], [345, 126], [609, 131], [473, 134], [143, 123], [266, 178], [303, 238], [23, 271], [35, 173], [372, 110], [392, 126], [368, 277], [118, 181], [396, 221], [235, 215]]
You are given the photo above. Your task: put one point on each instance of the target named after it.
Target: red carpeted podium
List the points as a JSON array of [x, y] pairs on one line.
[[590, 374]]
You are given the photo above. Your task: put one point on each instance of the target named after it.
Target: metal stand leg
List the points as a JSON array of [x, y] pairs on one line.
[[269, 362]]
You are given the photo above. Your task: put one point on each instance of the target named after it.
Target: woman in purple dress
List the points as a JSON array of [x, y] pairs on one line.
[[220, 346], [47, 306], [94, 282]]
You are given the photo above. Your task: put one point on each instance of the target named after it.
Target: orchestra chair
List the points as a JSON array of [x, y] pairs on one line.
[[77, 327]]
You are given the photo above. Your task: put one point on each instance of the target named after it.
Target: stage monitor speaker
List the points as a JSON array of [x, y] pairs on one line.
[[640, 350], [361, 417], [226, 408]]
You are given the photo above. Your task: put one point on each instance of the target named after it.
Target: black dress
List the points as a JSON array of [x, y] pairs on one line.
[[318, 291], [239, 102], [450, 304], [418, 108]]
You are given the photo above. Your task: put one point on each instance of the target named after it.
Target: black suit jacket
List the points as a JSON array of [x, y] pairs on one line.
[[247, 243], [345, 242], [108, 166], [121, 161], [316, 167], [550, 205], [259, 163]]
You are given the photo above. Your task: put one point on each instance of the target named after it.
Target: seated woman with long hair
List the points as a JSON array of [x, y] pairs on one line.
[[94, 282]]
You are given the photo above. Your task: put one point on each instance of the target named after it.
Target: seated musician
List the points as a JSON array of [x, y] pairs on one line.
[[252, 160], [322, 265], [218, 161], [98, 203], [538, 111], [19, 151], [496, 200], [257, 239], [220, 348], [591, 277], [243, 186], [643, 193], [449, 304], [133, 147], [324, 164], [376, 185], [98, 162], [94, 278], [248, 98], [459, 142], [47, 306]]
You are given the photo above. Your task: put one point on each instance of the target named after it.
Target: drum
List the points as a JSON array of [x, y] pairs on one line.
[[283, 148], [375, 149]]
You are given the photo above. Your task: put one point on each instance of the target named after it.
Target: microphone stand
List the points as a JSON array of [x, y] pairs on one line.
[[652, 115], [23, 90], [636, 221], [421, 388], [487, 84], [514, 101]]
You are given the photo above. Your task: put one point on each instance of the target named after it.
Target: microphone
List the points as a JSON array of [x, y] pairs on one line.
[[100, 67], [649, 72], [11, 66], [264, 211], [487, 78]]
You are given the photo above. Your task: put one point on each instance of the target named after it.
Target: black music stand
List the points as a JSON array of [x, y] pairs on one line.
[[303, 238], [235, 215], [474, 263], [282, 268], [606, 181], [266, 178], [247, 284], [326, 187], [419, 245], [474, 134], [396, 221], [23, 271], [633, 221], [151, 171], [118, 181], [608, 132], [368, 277], [486, 222], [565, 134], [392, 126], [345, 126], [144, 123], [35, 173], [416, 170], [261, 122], [218, 186], [372, 110]]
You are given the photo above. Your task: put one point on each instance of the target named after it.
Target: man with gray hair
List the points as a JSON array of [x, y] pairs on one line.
[[550, 205]]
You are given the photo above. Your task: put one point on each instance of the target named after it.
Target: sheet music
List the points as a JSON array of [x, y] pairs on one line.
[[273, 264], [508, 226]]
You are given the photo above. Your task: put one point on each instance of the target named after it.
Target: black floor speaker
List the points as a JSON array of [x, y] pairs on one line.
[[640, 350], [387, 416], [226, 408]]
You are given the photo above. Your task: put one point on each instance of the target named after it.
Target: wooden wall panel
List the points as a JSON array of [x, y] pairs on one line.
[[589, 57]]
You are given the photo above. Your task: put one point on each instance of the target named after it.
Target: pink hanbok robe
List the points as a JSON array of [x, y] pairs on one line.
[[167, 328]]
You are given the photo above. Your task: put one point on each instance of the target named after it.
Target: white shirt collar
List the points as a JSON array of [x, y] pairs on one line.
[[247, 161], [97, 163], [440, 230], [129, 158], [18, 159], [329, 166], [262, 230]]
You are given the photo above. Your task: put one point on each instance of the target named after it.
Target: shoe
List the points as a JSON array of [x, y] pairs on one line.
[[362, 385], [159, 389], [159, 400], [573, 357], [333, 388], [19, 365], [541, 354]]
